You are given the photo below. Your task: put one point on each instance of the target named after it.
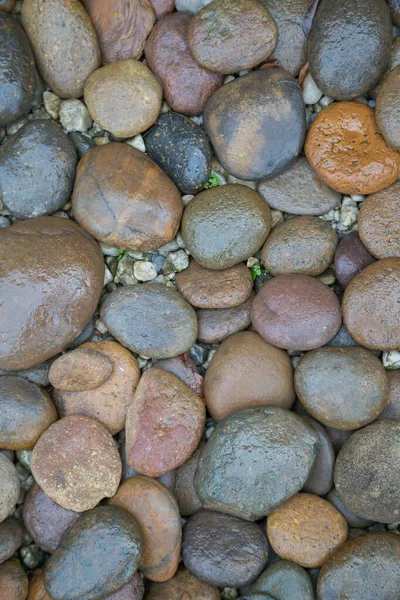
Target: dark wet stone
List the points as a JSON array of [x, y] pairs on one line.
[[85, 334], [96, 556], [353, 28], [342, 338], [38, 374], [278, 449], [253, 133], [46, 185], [150, 319], [320, 480], [365, 568], [284, 580], [352, 519], [82, 142], [351, 257], [181, 148], [17, 71], [184, 490], [10, 538], [223, 550], [338, 437]]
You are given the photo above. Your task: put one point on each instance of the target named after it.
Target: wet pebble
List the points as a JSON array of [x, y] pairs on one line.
[[351, 257], [215, 325], [379, 222], [184, 490]]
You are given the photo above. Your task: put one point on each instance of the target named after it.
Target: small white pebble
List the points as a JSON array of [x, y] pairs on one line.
[[101, 141], [108, 278], [167, 248], [252, 262], [276, 218], [144, 270], [197, 120], [179, 240], [52, 104], [228, 79], [142, 362], [187, 198], [101, 328], [391, 359], [329, 216], [357, 197], [209, 358], [311, 92], [179, 260], [325, 101], [16, 126], [164, 108], [108, 250], [170, 276], [74, 115], [231, 179], [244, 72], [137, 142]]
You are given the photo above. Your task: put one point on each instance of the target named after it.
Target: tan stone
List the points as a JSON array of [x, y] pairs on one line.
[[80, 370]]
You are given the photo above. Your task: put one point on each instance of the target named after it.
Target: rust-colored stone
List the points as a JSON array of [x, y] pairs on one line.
[[81, 369]]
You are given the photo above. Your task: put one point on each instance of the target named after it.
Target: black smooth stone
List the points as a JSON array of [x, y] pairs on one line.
[[82, 142], [181, 148]]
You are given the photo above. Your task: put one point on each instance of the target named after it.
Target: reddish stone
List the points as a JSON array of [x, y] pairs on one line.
[[351, 257]]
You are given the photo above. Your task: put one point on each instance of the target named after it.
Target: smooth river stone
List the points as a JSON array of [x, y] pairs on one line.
[[284, 580], [223, 550], [26, 411], [76, 463], [45, 520], [36, 586], [205, 288], [296, 312], [351, 257], [13, 581], [379, 222], [64, 43], [320, 479], [392, 410], [183, 586], [156, 511], [184, 490], [184, 368], [246, 372], [352, 519], [150, 319], [164, 423], [79, 370], [61, 288], [109, 401], [10, 538], [278, 449], [96, 556], [9, 487], [216, 324], [388, 108]]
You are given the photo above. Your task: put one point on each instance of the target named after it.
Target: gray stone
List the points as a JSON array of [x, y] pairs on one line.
[[74, 115]]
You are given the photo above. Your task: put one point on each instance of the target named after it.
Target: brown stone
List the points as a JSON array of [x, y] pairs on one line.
[[184, 368], [76, 462], [347, 151], [36, 587], [306, 530], [164, 423], [109, 402], [379, 222], [13, 581], [123, 97], [388, 109], [303, 245], [60, 287], [122, 27], [299, 191], [46, 520], [155, 509], [186, 85], [10, 538], [371, 305], [228, 36], [7, 5], [205, 288], [184, 490], [296, 312], [392, 409], [247, 372], [183, 586], [216, 324], [351, 257], [80, 370], [162, 7], [125, 200], [26, 411], [64, 43], [9, 487]]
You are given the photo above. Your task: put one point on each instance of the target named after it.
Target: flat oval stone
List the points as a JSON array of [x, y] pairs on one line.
[[10, 538], [352, 519], [392, 409], [365, 567], [122, 28], [379, 222], [109, 401], [13, 581], [45, 520], [320, 479], [304, 245], [17, 72], [371, 454], [76, 462], [284, 580], [254, 133], [185, 586], [307, 529], [60, 66], [164, 423], [216, 324], [106, 536], [227, 36], [347, 151], [182, 149], [81, 369], [291, 51], [184, 490], [278, 449], [186, 85], [296, 312], [155, 509], [223, 550], [205, 288], [150, 319], [388, 109], [9, 487], [26, 411], [370, 306], [225, 225], [352, 29], [137, 90], [355, 399], [125, 200], [61, 288], [185, 369], [246, 372], [47, 185], [351, 257], [298, 190]]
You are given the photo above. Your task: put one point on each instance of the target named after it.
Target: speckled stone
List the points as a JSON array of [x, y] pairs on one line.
[[284, 580], [352, 519]]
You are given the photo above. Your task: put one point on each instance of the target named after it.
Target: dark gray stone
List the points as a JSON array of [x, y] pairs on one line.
[[284, 580], [82, 142], [352, 519]]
